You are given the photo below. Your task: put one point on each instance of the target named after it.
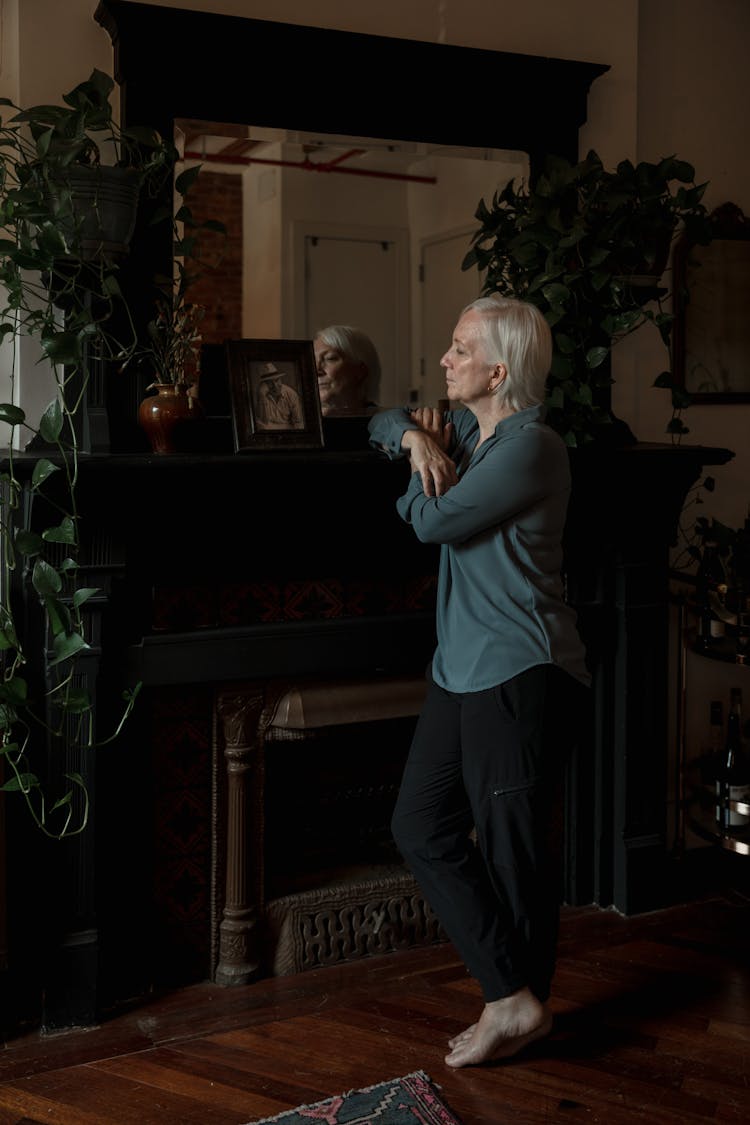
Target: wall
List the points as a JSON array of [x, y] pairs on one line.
[[694, 100], [219, 197], [693, 67]]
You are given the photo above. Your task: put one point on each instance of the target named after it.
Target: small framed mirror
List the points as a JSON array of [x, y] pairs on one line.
[[712, 299]]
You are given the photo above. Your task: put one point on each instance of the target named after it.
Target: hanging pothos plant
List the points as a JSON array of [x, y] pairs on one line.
[[59, 278], [588, 247]]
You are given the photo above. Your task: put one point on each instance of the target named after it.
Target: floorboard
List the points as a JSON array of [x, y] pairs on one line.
[[652, 1025]]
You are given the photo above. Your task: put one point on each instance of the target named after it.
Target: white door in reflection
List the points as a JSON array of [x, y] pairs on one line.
[[445, 290], [360, 280]]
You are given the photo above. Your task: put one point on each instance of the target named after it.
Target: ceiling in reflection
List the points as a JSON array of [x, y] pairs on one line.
[[230, 146]]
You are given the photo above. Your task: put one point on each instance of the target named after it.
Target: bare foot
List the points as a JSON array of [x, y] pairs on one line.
[[504, 1028], [462, 1037]]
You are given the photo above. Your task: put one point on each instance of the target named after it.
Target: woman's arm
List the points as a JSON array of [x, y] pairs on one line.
[[510, 477], [425, 437]]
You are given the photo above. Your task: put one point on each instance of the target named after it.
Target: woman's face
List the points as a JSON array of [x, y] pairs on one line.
[[467, 370], [340, 382]]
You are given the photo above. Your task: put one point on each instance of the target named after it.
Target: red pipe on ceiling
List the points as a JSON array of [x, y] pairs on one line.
[[310, 165]]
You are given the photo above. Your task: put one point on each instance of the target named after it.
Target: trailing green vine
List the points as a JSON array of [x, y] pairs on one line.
[[61, 288]]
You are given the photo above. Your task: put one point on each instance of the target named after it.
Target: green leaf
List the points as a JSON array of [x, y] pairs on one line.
[[62, 802], [185, 180], [681, 399], [470, 259], [556, 293], [20, 784], [51, 241], [65, 532], [84, 594], [62, 347], [65, 647], [59, 617], [142, 135], [664, 379], [28, 542], [51, 422], [13, 415], [77, 701], [214, 225], [596, 356], [564, 343], [600, 278], [14, 691], [43, 469], [8, 638], [111, 288], [45, 579]]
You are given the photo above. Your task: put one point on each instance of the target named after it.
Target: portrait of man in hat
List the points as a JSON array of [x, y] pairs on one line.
[[277, 405]]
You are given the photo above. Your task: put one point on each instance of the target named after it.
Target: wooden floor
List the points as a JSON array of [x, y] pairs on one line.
[[652, 1025]]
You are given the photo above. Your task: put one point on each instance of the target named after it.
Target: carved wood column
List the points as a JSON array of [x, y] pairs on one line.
[[244, 714]]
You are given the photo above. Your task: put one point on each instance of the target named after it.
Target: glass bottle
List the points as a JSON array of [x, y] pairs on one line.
[[742, 591], [713, 756], [733, 781], [711, 588]]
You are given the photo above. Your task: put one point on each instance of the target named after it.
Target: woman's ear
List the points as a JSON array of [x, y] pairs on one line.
[[497, 376]]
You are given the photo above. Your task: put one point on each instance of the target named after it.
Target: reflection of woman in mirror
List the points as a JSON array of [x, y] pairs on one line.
[[348, 368]]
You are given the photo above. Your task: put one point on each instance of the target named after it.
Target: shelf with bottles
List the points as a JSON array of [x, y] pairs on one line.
[[701, 806], [718, 630], [717, 594], [716, 784]]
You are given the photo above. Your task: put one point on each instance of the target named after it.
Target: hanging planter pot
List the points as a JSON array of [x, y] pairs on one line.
[[97, 209]]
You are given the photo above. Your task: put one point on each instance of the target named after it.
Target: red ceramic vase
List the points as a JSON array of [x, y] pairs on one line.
[[167, 416]]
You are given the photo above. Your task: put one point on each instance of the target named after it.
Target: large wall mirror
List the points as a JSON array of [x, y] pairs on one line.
[[446, 147], [351, 230]]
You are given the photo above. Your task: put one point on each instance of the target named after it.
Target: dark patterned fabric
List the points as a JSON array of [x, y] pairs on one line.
[[401, 1101], [197, 605]]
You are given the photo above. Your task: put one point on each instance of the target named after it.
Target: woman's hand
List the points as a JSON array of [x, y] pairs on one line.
[[427, 447], [430, 419]]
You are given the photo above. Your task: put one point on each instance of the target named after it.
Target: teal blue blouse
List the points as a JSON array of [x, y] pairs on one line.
[[500, 600]]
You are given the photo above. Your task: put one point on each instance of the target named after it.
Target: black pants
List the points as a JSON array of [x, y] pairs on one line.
[[493, 761]]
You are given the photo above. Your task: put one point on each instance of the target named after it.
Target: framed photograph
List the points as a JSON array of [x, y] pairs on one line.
[[712, 329], [273, 390]]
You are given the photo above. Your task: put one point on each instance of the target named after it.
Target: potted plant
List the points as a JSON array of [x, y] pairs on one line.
[[171, 352], [74, 163], [59, 270], [589, 246]]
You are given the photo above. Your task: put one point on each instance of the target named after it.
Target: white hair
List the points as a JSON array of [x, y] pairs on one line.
[[356, 347], [516, 335]]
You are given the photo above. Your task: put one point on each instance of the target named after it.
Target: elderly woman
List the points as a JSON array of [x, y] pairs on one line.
[[348, 369], [478, 813]]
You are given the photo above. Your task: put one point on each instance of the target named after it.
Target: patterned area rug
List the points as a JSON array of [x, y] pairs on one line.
[[412, 1100]]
